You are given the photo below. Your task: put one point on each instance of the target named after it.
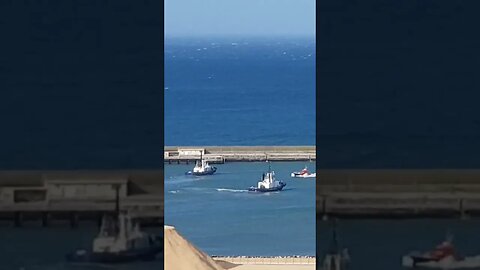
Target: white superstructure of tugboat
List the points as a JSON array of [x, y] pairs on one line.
[[303, 174], [202, 168], [119, 240], [334, 258], [268, 183], [443, 256]]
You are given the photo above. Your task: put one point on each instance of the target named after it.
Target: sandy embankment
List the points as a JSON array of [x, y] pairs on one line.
[[182, 255]]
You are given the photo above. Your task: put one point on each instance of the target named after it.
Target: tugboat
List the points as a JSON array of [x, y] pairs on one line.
[[335, 259], [202, 168], [443, 256], [119, 240], [303, 174], [268, 183]]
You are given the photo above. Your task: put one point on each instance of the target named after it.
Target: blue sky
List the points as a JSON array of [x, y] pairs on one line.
[[239, 18]]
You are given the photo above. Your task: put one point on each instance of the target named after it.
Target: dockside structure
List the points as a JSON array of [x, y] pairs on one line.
[[73, 196], [398, 193], [222, 154]]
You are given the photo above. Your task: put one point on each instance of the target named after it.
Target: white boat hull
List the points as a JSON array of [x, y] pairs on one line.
[[310, 175], [444, 264]]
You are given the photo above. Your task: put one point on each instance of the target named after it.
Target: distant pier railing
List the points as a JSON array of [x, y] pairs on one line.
[[148, 211], [217, 154], [62, 197]]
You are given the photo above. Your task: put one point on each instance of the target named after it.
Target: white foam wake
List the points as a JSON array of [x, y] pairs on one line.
[[231, 190]]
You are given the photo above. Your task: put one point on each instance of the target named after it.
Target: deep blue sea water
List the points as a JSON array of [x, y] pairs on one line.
[[81, 84], [217, 214], [240, 91], [397, 84]]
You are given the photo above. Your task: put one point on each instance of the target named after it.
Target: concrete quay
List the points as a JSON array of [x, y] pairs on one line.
[[398, 193], [50, 197], [222, 154], [75, 213]]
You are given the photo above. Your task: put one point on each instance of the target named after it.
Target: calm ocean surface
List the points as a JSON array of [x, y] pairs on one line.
[[81, 84], [239, 91], [218, 215], [397, 84]]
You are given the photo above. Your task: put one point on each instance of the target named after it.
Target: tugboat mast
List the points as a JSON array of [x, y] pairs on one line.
[[117, 199], [334, 244], [117, 207]]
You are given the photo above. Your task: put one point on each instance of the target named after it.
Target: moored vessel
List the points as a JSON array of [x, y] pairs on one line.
[[443, 256], [303, 174]]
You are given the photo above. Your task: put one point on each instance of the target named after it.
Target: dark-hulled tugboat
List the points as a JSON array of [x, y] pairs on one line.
[[119, 240], [202, 168], [268, 183]]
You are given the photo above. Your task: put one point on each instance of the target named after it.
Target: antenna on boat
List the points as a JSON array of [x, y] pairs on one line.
[[449, 236], [335, 234], [335, 230], [117, 206], [117, 199], [334, 243]]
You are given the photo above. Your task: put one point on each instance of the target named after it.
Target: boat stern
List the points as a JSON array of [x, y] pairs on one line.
[[407, 261]]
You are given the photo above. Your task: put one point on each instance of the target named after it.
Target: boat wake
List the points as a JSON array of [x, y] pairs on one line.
[[178, 180], [231, 190]]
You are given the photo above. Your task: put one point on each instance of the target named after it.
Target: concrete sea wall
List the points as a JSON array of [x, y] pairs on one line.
[[398, 193], [221, 154]]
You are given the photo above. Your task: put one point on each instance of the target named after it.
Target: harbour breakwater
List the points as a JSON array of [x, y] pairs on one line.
[[398, 193], [71, 197], [222, 154]]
